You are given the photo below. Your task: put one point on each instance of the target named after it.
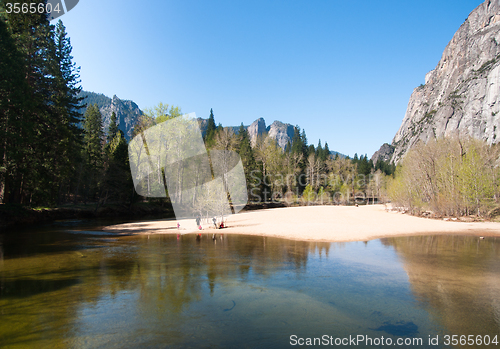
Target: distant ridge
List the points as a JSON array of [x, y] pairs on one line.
[[128, 114]]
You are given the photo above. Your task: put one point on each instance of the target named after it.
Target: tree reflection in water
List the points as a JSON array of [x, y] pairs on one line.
[[456, 278], [85, 290]]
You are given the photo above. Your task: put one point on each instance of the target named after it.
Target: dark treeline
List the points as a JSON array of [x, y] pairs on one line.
[[39, 110], [49, 152], [54, 149]]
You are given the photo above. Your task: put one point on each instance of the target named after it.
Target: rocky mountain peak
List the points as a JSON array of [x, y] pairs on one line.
[[281, 132], [257, 128], [384, 153]]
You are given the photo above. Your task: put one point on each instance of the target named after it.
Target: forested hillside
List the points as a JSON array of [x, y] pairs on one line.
[[92, 98]]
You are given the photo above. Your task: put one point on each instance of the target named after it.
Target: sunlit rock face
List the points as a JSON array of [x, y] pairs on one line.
[[127, 115], [462, 94], [280, 132], [127, 112], [257, 128]]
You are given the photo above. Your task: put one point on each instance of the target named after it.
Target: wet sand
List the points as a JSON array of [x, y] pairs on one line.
[[318, 223]]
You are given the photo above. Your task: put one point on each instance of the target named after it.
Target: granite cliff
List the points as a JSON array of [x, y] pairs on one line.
[[257, 128], [127, 112], [383, 154], [282, 133], [462, 94]]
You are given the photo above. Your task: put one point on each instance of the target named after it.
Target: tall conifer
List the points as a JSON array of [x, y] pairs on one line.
[[13, 92], [211, 128], [93, 149], [113, 128], [32, 179]]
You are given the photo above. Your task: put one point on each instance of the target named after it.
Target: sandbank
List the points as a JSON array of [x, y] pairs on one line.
[[318, 223]]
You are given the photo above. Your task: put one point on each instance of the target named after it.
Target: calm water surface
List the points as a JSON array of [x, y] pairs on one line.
[[69, 285]]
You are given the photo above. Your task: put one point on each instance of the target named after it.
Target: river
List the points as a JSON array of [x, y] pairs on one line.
[[70, 285]]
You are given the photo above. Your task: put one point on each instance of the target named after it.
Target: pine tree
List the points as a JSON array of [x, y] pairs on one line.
[[296, 141], [300, 149], [299, 142], [364, 166], [319, 151], [66, 115], [247, 157], [211, 128], [93, 150], [69, 75], [303, 139], [31, 179], [326, 152], [311, 150], [13, 89], [117, 183], [112, 167], [385, 167], [113, 128], [94, 136]]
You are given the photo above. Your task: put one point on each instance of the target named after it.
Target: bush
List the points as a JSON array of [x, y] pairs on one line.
[[450, 176]]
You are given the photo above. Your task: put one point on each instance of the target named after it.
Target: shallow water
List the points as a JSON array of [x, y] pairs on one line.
[[70, 285]]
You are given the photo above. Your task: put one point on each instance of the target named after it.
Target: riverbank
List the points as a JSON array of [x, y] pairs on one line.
[[12, 215], [18, 215], [319, 223]]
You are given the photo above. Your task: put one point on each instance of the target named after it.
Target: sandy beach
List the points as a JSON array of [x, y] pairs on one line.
[[318, 223]]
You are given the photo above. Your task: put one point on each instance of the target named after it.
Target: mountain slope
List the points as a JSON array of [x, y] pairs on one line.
[[127, 112], [462, 94]]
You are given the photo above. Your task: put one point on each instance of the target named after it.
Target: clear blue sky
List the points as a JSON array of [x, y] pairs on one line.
[[342, 70]]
